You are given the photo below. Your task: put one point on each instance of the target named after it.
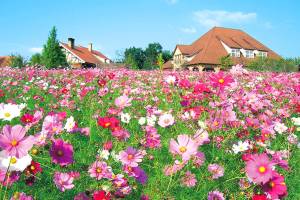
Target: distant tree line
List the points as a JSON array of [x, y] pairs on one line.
[[152, 57]]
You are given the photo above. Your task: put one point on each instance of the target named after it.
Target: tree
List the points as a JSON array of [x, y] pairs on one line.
[[17, 61], [134, 57], [277, 65], [226, 62], [52, 54], [167, 55], [36, 59], [151, 53]]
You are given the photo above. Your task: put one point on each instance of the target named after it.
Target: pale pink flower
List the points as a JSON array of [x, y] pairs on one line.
[[123, 101], [99, 170], [185, 146]]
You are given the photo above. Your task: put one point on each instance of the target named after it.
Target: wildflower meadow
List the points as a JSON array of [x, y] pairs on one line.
[[122, 134]]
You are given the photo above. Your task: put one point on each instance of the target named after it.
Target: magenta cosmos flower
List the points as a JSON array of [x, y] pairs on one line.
[[259, 168], [100, 170], [220, 80], [61, 152], [215, 195], [185, 146], [131, 157], [276, 187], [14, 142]]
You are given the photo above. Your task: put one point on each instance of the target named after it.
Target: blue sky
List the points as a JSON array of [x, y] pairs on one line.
[[113, 25]]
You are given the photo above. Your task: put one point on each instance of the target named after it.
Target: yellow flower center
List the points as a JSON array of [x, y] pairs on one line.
[[13, 160], [182, 149], [221, 80], [34, 151], [32, 167], [60, 153], [7, 114], [98, 170], [262, 169], [107, 124], [216, 123], [272, 184], [14, 143], [54, 128]]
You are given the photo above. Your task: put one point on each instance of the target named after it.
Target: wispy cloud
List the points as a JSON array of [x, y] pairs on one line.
[[189, 30], [172, 2], [209, 18], [35, 49]]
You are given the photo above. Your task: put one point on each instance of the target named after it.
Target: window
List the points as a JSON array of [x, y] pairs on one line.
[[235, 53], [262, 54], [249, 54]]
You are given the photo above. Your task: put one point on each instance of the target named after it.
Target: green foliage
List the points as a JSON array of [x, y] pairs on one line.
[[277, 65], [226, 62], [17, 61], [36, 59], [52, 55], [137, 58], [160, 61]]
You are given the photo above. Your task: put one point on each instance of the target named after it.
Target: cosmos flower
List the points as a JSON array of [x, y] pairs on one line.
[[125, 117], [220, 80], [201, 137], [166, 120], [101, 195], [123, 101], [130, 157], [276, 187], [21, 196], [70, 124], [99, 170], [185, 146], [27, 118], [215, 195], [33, 168], [14, 142], [10, 111], [12, 163], [280, 128], [189, 179], [216, 170], [108, 122], [296, 121], [240, 147], [63, 181], [61, 152], [259, 168]]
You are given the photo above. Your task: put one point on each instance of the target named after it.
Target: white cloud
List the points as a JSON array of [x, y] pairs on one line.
[[35, 49], [209, 18], [190, 30], [172, 1]]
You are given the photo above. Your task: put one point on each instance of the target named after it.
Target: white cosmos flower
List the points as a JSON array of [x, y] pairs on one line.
[[202, 124], [12, 163], [166, 120], [151, 120], [170, 79], [296, 121], [10, 111], [240, 147], [280, 128], [70, 124], [104, 154], [142, 121], [125, 117]]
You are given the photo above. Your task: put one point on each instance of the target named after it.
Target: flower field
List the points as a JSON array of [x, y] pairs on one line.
[[113, 134]]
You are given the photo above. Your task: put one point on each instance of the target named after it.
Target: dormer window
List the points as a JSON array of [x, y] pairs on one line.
[[249, 54], [262, 54], [235, 53]]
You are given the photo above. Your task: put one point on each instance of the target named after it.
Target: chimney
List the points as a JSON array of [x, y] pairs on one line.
[[71, 42], [90, 47]]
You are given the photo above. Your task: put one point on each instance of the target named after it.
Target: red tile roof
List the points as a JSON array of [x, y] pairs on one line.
[[4, 61], [84, 54], [208, 49]]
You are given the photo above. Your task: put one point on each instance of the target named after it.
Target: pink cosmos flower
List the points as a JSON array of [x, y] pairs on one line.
[[131, 157], [201, 137], [172, 169], [99, 170], [61, 152], [63, 181], [166, 120], [221, 80], [186, 147], [189, 179], [21, 196], [123, 101], [215, 195], [276, 187], [259, 168], [216, 170], [14, 142]]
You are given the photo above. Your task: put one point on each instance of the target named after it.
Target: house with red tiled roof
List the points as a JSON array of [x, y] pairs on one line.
[[4, 61], [207, 51], [83, 57]]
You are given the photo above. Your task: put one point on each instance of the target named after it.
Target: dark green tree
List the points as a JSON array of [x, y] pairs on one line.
[[36, 59], [167, 55], [134, 57], [52, 54], [17, 61], [151, 53]]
